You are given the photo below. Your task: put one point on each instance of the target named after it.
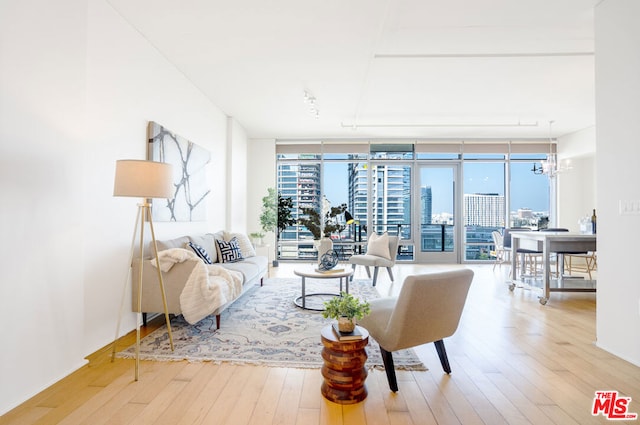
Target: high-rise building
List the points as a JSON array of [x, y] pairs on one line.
[[484, 209], [301, 183], [426, 201], [357, 185], [390, 195]]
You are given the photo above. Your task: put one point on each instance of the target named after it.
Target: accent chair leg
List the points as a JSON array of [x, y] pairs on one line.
[[217, 321], [442, 354], [353, 266], [390, 273], [387, 359], [375, 275], [368, 271], [261, 280], [144, 319]]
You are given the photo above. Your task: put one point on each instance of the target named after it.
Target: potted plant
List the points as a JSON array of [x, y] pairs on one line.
[[322, 227], [268, 217], [276, 215], [346, 309], [285, 217], [256, 238], [312, 221]]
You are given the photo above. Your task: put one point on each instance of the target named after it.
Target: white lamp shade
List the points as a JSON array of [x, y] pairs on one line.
[[143, 179]]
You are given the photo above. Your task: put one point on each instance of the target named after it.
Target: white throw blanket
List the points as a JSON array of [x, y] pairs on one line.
[[209, 286]]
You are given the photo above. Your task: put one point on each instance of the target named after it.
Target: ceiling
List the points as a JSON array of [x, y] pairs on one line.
[[383, 69]]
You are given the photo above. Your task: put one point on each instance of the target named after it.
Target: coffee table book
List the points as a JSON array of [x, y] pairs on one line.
[[347, 336], [336, 270]]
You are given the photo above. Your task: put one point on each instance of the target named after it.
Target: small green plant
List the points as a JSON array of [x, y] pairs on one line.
[[256, 235], [346, 305]]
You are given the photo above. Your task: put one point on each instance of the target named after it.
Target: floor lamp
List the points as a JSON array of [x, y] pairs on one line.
[[147, 180]]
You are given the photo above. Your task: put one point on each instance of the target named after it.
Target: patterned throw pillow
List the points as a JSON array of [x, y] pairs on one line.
[[229, 252], [200, 252]]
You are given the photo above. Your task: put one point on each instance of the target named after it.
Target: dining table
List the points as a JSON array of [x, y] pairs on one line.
[[549, 243]]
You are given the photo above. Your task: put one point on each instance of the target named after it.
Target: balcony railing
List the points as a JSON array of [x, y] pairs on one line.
[[433, 238]]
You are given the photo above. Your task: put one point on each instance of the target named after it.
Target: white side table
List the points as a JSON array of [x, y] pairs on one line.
[[265, 251]]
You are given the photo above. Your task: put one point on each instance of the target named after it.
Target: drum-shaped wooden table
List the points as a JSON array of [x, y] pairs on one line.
[[343, 371]]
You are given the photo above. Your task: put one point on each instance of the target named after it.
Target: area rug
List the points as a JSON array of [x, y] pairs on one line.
[[263, 327]]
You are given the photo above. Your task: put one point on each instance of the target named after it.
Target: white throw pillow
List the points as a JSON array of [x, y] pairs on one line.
[[378, 245], [246, 247]]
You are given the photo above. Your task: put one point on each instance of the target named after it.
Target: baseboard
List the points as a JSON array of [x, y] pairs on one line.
[[13, 404]]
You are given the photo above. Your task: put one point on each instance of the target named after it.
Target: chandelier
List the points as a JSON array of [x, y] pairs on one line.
[[551, 166]]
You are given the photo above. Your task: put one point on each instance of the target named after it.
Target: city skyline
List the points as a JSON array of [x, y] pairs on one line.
[[392, 190], [528, 190]]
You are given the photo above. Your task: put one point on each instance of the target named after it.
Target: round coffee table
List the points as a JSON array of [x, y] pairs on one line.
[[343, 371], [301, 301]]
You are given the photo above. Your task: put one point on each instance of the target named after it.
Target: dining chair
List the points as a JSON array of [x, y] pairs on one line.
[[500, 253], [565, 258], [561, 256], [589, 264], [427, 309], [528, 257]]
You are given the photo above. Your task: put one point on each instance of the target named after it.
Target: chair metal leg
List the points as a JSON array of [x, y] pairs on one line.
[[368, 271], [387, 359], [375, 275], [353, 266], [390, 273], [442, 354]]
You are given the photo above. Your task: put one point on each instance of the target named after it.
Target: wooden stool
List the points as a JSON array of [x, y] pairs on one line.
[[343, 371]]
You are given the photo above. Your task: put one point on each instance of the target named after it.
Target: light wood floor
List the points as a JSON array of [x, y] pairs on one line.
[[514, 361]]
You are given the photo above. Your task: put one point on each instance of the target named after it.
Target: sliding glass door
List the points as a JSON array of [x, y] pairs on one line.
[[436, 213]]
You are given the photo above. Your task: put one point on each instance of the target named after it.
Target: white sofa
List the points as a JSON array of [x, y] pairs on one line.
[[253, 269]]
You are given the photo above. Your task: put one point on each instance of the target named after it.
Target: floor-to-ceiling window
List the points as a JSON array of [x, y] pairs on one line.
[[443, 205], [298, 178], [529, 200], [484, 203]]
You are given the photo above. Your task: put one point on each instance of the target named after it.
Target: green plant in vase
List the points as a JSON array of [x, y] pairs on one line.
[[346, 309], [276, 215], [256, 238], [322, 226]]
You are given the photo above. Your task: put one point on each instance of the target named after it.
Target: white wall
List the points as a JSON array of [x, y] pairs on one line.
[[261, 173], [617, 128], [79, 86], [577, 186], [237, 161], [42, 114]]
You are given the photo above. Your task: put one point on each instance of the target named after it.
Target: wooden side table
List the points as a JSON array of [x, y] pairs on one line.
[[343, 371]]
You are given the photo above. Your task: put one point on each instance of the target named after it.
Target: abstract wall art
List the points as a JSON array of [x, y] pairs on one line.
[[189, 177]]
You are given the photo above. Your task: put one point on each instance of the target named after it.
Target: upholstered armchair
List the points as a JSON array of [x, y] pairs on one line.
[[381, 252], [428, 309]]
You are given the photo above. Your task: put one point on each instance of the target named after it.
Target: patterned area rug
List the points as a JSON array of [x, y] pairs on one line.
[[263, 327]]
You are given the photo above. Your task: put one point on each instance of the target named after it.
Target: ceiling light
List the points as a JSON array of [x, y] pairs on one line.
[[313, 104], [551, 167]]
